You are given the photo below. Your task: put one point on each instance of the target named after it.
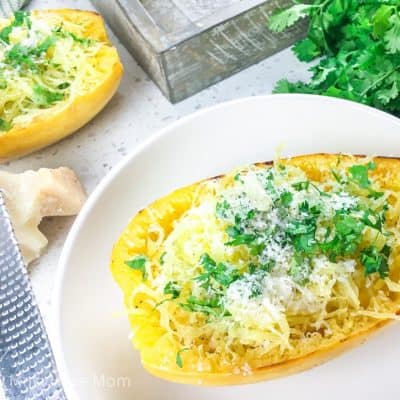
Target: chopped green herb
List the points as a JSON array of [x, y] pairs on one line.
[[375, 195], [256, 248], [250, 214], [179, 362], [321, 192], [267, 267], [373, 219], [45, 45], [375, 261], [238, 178], [221, 209], [20, 57], [4, 125], [220, 272], [20, 17], [256, 289], [305, 243], [173, 289], [252, 268], [240, 239], [139, 264], [286, 198], [299, 271], [304, 207], [301, 185], [45, 97], [359, 174], [64, 85], [65, 34], [208, 306], [207, 262], [348, 236], [162, 258], [300, 227], [337, 177]]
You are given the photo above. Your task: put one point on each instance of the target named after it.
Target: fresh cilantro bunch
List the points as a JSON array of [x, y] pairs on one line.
[[357, 43]]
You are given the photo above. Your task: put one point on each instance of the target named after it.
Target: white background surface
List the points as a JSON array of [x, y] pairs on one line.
[[137, 110]]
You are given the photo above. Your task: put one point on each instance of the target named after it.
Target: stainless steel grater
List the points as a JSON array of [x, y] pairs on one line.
[[27, 367], [188, 45]]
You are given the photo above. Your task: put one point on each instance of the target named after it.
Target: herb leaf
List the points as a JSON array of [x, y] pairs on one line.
[[45, 97], [285, 18], [359, 174], [20, 17], [139, 264], [4, 125], [358, 43], [220, 272], [179, 361], [375, 261], [173, 289], [208, 306]]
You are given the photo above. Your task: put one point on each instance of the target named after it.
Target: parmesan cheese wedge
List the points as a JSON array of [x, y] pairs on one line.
[[32, 195]]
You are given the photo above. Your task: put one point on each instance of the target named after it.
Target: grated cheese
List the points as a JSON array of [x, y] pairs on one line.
[[264, 311], [68, 63]]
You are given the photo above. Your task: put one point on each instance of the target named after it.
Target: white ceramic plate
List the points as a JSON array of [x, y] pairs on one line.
[[91, 342]]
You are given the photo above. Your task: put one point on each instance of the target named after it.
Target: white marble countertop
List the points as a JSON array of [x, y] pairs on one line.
[[137, 110]]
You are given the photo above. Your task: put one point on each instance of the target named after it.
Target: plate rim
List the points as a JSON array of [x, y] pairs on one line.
[[73, 234]]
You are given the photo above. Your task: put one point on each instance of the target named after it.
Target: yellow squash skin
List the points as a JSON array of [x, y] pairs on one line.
[[44, 131], [149, 335]]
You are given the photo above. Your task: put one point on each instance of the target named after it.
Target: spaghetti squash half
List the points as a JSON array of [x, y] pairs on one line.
[[57, 71], [263, 272]]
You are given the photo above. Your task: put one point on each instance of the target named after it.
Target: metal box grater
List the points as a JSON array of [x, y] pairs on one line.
[[187, 45]]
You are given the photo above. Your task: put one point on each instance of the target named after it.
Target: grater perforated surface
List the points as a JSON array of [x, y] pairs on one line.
[[27, 367]]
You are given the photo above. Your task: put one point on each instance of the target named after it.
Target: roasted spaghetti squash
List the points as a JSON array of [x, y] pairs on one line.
[[57, 71], [263, 272]]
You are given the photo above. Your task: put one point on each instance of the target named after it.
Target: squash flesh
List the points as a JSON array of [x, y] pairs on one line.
[[158, 346], [89, 72]]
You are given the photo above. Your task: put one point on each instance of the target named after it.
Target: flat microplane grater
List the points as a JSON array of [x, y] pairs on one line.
[[27, 367]]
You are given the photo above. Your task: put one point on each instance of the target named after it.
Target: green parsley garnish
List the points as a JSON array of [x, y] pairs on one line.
[[221, 209], [20, 18], [337, 177], [20, 57], [209, 306], [60, 32], [219, 272], [45, 97], [179, 362], [162, 258], [173, 289], [238, 237], [359, 174], [4, 125], [139, 264], [64, 85], [347, 238], [375, 261], [304, 185], [286, 198]]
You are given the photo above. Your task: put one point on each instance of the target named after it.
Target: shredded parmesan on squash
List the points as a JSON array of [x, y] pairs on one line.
[[267, 315], [70, 67]]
